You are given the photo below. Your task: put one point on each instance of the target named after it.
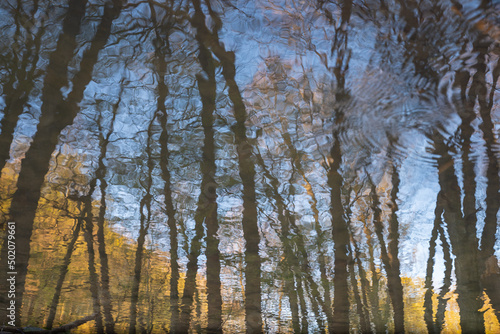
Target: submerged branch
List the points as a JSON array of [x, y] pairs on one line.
[[61, 329]]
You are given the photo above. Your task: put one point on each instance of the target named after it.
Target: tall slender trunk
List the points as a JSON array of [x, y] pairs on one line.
[[488, 238], [396, 288], [88, 233], [250, 225], [103, 256], [373, 289], [467, 230], [169, 206], [363, 317], [490, 278], [359, 296], [145, 220], [207, 205], [171, 220], [253, 316], [304, 323], [192, 267], [448, 264], [62, 275], [207, 89], [163, 92], [365, 288], [293, 297], [340, 234], [429, 291]]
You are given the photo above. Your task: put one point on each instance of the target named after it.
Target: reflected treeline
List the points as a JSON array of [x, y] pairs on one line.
[[267, 166]]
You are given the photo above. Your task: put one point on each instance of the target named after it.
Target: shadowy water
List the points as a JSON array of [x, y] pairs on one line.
[[264, 166]]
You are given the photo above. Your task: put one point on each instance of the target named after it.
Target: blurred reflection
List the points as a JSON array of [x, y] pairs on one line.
[[269, 166]]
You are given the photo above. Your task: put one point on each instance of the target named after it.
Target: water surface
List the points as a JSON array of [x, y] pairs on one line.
[[265, 166]]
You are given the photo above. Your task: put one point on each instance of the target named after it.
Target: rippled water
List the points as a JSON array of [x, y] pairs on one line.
[[264, 166]]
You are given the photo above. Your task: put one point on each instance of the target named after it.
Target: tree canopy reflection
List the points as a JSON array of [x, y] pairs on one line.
[[264, 166]]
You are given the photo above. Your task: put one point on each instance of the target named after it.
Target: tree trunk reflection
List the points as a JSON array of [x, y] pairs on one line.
[[265, 166]]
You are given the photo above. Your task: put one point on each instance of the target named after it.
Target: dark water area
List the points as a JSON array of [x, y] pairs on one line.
[[288, 166]]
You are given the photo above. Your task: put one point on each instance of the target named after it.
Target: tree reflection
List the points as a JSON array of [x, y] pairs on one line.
[[267, 166]]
